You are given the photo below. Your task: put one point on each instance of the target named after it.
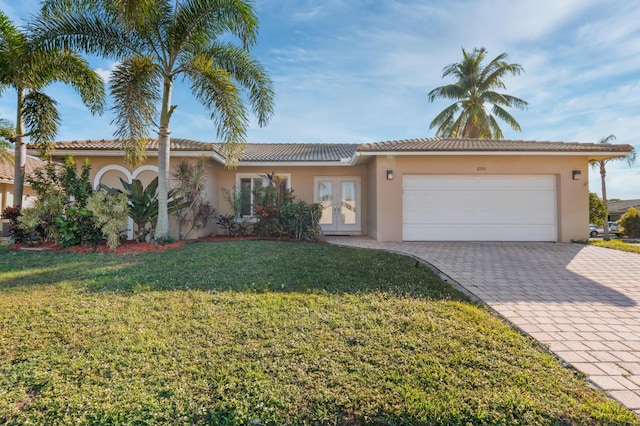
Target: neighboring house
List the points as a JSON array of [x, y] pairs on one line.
[[619, 207], [411, 190], [7, 171]]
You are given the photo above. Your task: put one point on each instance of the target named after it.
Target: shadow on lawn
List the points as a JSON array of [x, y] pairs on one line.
[[254, 266]]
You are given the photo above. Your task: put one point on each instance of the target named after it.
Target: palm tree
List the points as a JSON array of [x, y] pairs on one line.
[[468, 117], [630, 158], [157, 41], [27, 68]]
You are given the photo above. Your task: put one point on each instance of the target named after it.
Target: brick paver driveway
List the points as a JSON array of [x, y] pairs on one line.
[[581, 301]]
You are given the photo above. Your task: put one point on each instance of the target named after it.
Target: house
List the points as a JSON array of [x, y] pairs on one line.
[[7, 172], [407, 190], [619, 207]]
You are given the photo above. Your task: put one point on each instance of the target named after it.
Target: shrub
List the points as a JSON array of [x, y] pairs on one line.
[[15, 232], [60, 210], [269, 200], [41, 219], [630, 222], [110, 214], [231, 226], [143, 205], [194, 211], [301, 220], [77, 227]]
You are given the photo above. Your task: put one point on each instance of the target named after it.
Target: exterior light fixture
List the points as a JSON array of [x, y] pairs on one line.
[[576, 174], [389, 174]]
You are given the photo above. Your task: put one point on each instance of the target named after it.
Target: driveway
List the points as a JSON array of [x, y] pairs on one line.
[[581, 301]]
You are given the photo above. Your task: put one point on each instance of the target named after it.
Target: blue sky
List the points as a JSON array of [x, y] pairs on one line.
[[358, 71]]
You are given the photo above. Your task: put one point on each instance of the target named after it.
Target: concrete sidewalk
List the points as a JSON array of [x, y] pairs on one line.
[[581, 301]]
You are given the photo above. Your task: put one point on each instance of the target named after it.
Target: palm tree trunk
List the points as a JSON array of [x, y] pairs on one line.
[[164, 153], [605, 229], [20, 154]]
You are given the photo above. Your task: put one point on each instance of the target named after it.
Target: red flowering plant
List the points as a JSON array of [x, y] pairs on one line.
[[269, 199]]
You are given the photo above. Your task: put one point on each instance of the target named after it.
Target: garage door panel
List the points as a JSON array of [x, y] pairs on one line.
[[479, 208]]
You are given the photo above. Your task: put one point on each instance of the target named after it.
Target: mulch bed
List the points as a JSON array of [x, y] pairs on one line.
[[131, 246]]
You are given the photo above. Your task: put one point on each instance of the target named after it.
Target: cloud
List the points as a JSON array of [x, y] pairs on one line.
[[106, 73]]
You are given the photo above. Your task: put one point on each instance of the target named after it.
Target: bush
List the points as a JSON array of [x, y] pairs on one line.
[[12, 214], [60, 210], [630, 222], [110, 214], [301, 220], [41, 219], [77, 227]]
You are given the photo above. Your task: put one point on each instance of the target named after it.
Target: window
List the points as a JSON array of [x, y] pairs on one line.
[[249, 183]]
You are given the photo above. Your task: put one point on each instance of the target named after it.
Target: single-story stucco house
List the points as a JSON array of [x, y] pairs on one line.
[[619, 207], [7, 172], [406, 190]]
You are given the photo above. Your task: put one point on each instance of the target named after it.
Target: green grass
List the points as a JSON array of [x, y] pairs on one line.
[[258, 332], [616, 245]]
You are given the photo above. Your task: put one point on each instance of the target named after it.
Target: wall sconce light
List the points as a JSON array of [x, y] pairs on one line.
[[389, 174], [576, 174]]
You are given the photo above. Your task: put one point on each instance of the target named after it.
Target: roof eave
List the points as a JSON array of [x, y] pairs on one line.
[[272, 163], [120, 153], [604, 155]]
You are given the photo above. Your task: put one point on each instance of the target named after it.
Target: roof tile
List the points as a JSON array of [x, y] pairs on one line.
[[282, 152], [7, 170], [438, 144]]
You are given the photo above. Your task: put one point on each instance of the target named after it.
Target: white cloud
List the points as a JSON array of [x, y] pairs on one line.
[[106, 73]]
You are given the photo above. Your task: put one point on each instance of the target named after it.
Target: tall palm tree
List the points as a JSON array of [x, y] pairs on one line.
[[475, 87], [27, 68], [157, 41], [630, 158]]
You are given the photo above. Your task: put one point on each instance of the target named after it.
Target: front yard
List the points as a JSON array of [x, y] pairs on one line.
[[257, 332]]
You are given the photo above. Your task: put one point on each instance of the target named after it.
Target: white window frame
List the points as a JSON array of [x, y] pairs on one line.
[[252, 176]]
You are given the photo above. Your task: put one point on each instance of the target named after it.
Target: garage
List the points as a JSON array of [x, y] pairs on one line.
[[479, 208]]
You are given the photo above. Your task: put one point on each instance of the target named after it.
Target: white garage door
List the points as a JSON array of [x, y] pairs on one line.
[[479, 208]]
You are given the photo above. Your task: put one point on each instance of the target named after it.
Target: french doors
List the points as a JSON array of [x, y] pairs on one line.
[[340, 199]]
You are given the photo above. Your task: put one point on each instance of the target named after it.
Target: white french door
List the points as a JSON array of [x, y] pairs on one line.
[[340, 199]]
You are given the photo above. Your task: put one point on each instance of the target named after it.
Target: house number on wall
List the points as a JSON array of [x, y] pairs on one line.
[[481, 168]]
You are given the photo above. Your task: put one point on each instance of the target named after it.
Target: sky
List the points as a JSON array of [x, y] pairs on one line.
[[359, 71]]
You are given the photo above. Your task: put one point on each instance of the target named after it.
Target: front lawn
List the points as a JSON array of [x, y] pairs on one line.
[[617, 245], [257, 332]]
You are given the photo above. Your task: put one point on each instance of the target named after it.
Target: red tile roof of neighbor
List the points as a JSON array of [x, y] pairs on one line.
[[7, 170], [255, 152]]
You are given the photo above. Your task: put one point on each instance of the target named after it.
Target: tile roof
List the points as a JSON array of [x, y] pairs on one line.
[[322, 152], [116, 145], [7, 169], [622, 206], [438, 144], [296, 152]]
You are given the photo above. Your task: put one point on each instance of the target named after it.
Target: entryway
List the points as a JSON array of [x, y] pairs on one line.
[[340, 199]]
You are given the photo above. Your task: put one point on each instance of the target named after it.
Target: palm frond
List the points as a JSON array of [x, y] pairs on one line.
[[503, 115], [496, 130], [95, 31], [197, 22], [41, 120], [7, 131], [68, 67], [134, 87], [443, 120], [215, 89], [450, 91], [249, 73]]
